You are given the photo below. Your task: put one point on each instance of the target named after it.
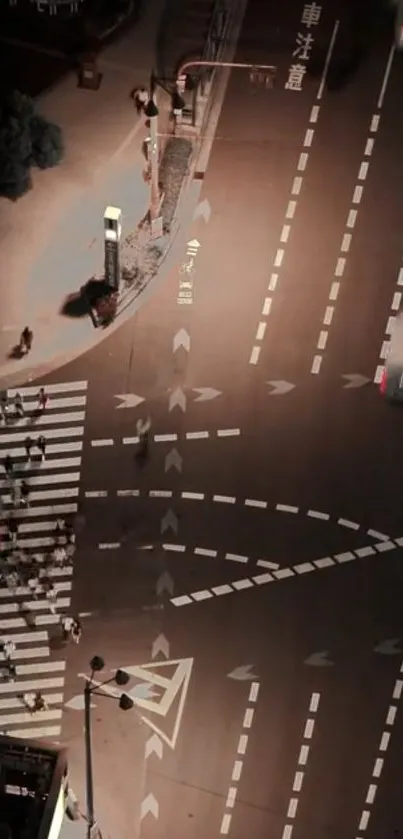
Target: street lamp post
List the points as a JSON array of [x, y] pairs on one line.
[[125, 703], [151, 112]]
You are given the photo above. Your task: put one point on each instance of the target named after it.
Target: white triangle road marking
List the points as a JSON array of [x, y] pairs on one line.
[[34, 652], [38, 732], [14, 702], [40, 667], [57, 387], [48, 433], [35, 684]]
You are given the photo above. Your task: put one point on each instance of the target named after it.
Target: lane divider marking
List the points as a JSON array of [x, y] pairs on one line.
[[292, 204], [380, 758], [168, 438], [285, 573], [302, 762], [240, 757], [349, 225]]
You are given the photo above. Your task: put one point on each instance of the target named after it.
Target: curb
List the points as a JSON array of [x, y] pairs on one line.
[[186, 201]]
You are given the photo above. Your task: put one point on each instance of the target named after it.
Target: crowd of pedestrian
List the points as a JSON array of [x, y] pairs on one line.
[[28, 576]]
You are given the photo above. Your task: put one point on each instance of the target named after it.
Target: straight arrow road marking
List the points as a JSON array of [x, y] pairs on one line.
[[320, 659], [355, 380], [149, 805], [154, 746], [165, 583], [389, 647], [203, 210], [177, 399], [243, 673], [280, 387], [170, 520], [173, 460], [181, 339], [206, 393], [160, 645], [128, 400]]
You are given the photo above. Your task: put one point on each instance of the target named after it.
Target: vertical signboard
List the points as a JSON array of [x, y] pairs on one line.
[[112, 234]]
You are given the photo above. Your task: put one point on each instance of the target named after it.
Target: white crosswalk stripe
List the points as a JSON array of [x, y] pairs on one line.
[[26, 618]]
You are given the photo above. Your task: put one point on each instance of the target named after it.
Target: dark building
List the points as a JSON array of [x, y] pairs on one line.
[[33, 781]]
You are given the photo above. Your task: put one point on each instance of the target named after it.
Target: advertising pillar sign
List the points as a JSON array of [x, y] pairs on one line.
[[112, 234]]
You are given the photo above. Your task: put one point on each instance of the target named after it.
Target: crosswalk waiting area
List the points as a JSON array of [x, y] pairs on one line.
[[28, 621]]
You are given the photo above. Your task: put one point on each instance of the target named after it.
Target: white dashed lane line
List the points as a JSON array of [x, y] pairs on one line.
[[395, 307], [106, 442], [301, 568], [291, 208], [256, 503], [347, 236]]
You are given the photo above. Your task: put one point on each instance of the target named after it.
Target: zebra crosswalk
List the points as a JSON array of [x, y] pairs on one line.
[[54, 489]]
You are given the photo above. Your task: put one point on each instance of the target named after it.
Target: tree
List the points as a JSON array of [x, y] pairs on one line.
[[27, 139]]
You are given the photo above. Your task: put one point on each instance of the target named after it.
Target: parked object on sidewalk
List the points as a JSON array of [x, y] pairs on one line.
[[89, 76]]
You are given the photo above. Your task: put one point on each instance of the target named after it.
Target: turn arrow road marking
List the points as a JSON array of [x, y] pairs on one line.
[[243, 673], [355, 380], [181, 339], [206, 393], [319, 659]]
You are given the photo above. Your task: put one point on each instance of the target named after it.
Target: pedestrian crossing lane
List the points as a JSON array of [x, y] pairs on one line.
[[54, 485]]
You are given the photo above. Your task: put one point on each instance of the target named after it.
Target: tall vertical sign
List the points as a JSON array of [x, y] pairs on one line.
[[112, 234]]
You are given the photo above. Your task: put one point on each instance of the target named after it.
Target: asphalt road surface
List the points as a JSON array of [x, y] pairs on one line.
[[246, 570]]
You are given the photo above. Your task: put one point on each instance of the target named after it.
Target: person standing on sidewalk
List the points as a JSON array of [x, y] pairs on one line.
[[26, 338], [41, 443]]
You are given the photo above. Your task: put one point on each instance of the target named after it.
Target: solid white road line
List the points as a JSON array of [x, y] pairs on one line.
[[40, 620], [25, 592], [14, 702], [37, 652], [27, 637], [38, 732], [60, 478], [28, 685], [58, 387], [51, 448], [25, 468], [47, 433], [55, 510], [28, 422], [34, 605], [42, 667], [24, 718]]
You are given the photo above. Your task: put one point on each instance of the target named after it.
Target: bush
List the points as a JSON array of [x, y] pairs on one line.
[[27, 139]]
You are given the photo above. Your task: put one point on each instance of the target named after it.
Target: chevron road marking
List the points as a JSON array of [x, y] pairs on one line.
[[55, 479]]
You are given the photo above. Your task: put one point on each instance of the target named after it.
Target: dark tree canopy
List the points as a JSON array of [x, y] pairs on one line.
[[27, 139]]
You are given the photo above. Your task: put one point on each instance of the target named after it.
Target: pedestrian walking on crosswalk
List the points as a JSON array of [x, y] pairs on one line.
[[8, 465], [42, 399], [12, 528], [5, 408], [76, 631], [19, 405], [25, 491], [16, 494], [8, 671], [67, 625], [51, 595], [8, 648], [41, 444], [28, 443], [59, 556]]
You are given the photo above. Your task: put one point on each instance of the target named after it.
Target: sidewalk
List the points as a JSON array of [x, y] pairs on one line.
[[52, 239]]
